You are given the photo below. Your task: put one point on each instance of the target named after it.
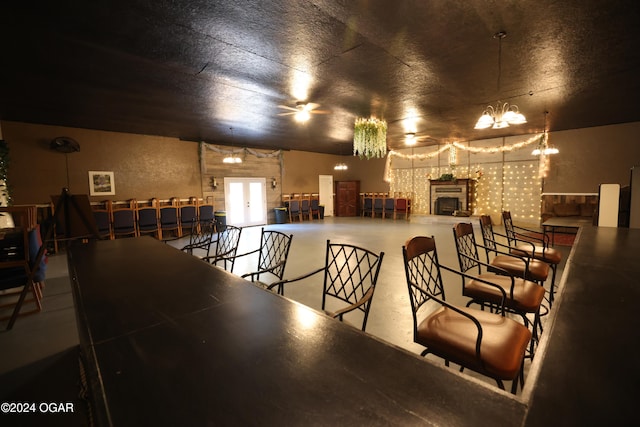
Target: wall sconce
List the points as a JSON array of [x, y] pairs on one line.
[[273, 183], [213, 183]]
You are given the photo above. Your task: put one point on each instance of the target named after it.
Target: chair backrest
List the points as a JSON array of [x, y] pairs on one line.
[[227, 246], [488, 238], [103, 222], [423, 274], [169, 217], [350, 275], [294, 206], [315, 204], [124, 221], [389, 205], [201, 237], [304, 205], [147, 218], [466, 246], [377, 205], [368, 203], [508, 227], [401, 205], [274, 251], [188, 215], [205, 213]]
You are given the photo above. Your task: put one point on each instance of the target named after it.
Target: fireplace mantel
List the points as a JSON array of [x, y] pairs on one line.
[[462, 189]]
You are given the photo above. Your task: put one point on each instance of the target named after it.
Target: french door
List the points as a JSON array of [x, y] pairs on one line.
[[245, 201]]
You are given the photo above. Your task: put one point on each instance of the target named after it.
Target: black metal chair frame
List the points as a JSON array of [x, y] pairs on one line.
[[469, 259], [491, 245], [201, 238], [226, 247], [350, 275], [272, 255], [423, 289], [516, 235]]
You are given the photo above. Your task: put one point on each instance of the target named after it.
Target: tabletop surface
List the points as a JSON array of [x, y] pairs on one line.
[[560, 221], [171, 340]]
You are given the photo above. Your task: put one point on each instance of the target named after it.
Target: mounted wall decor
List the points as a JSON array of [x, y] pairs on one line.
[[101, 183]]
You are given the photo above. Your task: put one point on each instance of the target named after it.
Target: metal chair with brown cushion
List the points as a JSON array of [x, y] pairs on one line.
[[484, 342], [516, 294], [534, 244], [350, 276], [519, 265]]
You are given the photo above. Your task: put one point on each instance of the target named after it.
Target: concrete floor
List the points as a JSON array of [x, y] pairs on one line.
[[39, 354]]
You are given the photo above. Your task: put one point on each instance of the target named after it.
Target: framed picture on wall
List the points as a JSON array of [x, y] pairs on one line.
[[101, 183]]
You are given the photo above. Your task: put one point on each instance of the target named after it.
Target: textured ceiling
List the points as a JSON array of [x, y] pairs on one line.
[[218, 70]]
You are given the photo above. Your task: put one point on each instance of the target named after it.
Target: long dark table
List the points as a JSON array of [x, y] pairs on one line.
[[167, 339]]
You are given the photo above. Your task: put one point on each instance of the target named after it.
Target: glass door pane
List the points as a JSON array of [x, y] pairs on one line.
[[245, 201]]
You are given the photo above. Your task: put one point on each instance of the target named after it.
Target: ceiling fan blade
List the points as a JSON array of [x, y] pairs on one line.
[[287, 114], [320, 112], [288, 108], [311, 106]]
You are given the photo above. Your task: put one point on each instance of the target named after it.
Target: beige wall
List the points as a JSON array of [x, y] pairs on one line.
[[143, 166], [301, 170], [592, 156]]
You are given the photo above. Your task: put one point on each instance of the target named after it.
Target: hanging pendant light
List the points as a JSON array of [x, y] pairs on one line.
[[370, 138], [341, 166], [544, 148], [232, 158], [501, 115]]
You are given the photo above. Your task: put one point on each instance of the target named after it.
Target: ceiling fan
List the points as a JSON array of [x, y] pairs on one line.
[[412, 138], [302, 111]]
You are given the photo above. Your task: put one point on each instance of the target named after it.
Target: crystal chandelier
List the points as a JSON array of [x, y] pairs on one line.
[[370, 138], [503, 114]]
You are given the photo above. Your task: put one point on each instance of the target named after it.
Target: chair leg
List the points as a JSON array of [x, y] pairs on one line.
[[554, 268]]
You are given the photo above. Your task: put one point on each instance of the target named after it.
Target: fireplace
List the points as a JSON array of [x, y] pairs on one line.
[[446, 205]]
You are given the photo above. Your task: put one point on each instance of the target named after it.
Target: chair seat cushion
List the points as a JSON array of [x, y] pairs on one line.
[[538, 270], [548, 255], [452, 336], [527, 295]]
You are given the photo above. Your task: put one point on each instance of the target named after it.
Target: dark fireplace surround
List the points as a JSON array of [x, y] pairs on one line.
[[446, 205]]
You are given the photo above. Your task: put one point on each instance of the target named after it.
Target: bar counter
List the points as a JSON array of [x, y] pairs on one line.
[[167, 339]]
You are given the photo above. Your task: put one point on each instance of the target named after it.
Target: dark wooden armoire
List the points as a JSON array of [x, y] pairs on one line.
[[347, 198]]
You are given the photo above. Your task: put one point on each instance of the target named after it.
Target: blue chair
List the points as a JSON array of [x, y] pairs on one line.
[[148, 221], [124, 222], [20, 268], [389, 207], [367, 206], [294, 210], [169, 221], [103, 223], [378, 207]]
